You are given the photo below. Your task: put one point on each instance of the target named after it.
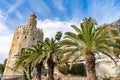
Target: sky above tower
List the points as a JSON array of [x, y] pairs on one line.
[[52, 16]]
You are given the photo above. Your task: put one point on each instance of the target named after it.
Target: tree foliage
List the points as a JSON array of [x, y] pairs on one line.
[[87, 41], [77, 69], [2, 67]]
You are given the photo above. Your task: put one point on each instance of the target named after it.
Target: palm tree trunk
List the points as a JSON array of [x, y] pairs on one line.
[[38, 68], [90, 66], [50, 64], [24, 76], [29, 69]]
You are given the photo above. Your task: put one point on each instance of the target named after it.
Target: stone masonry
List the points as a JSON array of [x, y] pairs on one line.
[[24, 37]]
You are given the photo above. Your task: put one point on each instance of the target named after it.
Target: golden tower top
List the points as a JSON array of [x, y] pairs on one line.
[[32, 21]]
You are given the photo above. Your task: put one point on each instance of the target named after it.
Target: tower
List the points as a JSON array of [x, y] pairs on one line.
[[24, 37]]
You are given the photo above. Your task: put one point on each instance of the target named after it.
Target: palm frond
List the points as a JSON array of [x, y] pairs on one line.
[[110, 57], [76, 28], [68, 42], [70, 35], [65, 58]]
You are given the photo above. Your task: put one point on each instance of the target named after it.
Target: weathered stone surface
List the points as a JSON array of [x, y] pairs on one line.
[[24, 37], [108, 69]]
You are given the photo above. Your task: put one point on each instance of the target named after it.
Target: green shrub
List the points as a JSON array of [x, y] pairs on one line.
[[106, 78], [77, 69], [2, 67], [64, 69]]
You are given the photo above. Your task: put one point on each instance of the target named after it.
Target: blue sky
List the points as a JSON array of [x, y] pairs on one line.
[[52, 16]]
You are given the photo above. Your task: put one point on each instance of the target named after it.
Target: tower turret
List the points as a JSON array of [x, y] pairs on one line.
[[32, 21]]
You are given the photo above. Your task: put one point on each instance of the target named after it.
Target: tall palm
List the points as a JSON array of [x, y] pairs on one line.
[[52, 53], [32, 57], [87, 41]]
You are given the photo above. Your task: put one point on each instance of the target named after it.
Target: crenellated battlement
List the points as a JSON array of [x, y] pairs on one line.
[[30, 28], [27, 30]]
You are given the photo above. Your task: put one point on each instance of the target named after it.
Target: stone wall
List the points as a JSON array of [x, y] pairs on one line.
[[83, 78], [77, 78]]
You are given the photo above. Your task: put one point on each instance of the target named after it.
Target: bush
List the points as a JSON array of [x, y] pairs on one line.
[[64, 69], [106, 78], [77, 69], [2, 67]]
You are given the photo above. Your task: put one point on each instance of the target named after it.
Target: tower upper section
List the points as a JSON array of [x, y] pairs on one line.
[[32, 21], [30, 28]]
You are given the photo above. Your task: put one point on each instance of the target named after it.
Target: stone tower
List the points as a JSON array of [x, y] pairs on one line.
[[24, 37]]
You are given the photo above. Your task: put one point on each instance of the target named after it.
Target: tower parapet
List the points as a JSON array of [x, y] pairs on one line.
[[24, 37], [27, 30]]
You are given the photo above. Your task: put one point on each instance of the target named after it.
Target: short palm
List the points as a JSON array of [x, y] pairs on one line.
[[31, 58]]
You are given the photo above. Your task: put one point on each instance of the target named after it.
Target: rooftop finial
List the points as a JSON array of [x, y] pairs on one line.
[[33, 15]]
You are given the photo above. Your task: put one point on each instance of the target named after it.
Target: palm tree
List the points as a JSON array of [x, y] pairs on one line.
[[2, 66], [20, 64], [58, 35], [32, 57], [116, 45], [87, 41], [52, 53], [37, 57]]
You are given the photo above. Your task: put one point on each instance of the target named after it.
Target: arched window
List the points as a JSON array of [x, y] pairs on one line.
[[33, 38], [25, 37], [17, 37]]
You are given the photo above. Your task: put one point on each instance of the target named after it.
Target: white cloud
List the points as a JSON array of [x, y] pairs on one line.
[[11, 8], [40, 7], [3, 29], [5, 41], [14, 6], [5, 38], [2, 17], [59, 5], [19, 15], [50, 27], [105, 11]]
